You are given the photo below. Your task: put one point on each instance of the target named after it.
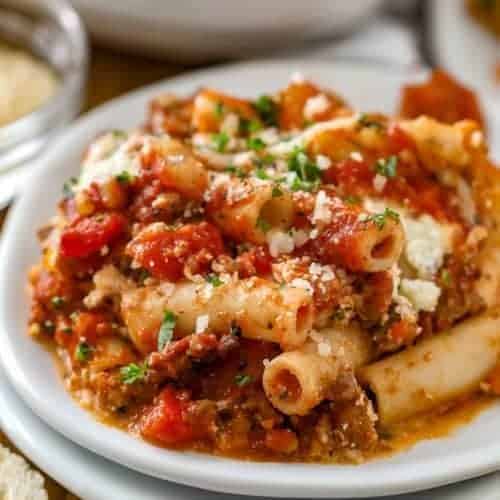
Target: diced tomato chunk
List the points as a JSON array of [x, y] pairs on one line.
[[164, 252], [352, 176], [256, 261], [166, 421], [398, 140], [87, 235], [401, 331], [441, 97]]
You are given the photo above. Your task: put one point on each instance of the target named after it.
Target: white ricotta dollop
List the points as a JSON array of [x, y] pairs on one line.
[[423, 295]]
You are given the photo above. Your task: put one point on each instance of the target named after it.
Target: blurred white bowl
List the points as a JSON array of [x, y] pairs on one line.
[[201, 30]]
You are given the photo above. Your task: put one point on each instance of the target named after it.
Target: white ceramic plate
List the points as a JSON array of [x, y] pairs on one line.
[[462, 46], [94, 478], [472, 451], [208, 29]]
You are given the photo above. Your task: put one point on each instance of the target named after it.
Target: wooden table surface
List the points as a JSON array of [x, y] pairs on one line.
[[111, 74]]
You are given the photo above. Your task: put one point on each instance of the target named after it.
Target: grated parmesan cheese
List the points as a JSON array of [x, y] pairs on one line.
[[356, 156], [323, 162], [316, 105], [201, 323], [302, 283], [379, 182], [280, 242], [322, 211]]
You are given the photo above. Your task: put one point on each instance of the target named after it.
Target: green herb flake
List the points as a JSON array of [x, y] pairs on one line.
[[143, 275], [267, 110], [242, 379], [276, 192], [238, 172], [133, 373], [352, 200], [83, 351], [214, 280], [446, 277], [119, 134], [381, 218], [387, 166], [166, 332], [220, 141], [125, 177], [68, 186], [364, 121], [260, 173], [235, 330], [249, 126], [307, 174], [219, 109], [57, 302], [263, 225], [255, 143]]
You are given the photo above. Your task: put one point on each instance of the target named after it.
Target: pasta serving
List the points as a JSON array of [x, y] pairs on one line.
[[282, 278]]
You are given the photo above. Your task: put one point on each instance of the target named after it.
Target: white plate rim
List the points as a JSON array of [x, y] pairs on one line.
[[299, 480]]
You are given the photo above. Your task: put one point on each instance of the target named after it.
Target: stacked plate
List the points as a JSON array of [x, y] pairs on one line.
[[45, 423]]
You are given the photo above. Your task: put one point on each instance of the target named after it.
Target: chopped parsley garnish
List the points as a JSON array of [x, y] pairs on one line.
[[219, 109], [267, 110], [352, 200], [242, 379], [119, 134], [83, 351], [133, 372], [214, 280], [125, 177], [235, 330], [67, 329], [381, 218], [276, 192], [68, 187], [387, 166], [255, 143], [166, 332], [308, 174], [263, 225], [143, 275], [249, 126], [446, 277], [57, 301], [338, 314], [364, 121], [260, 173], [220, 141], [267, 159], [231, 169]]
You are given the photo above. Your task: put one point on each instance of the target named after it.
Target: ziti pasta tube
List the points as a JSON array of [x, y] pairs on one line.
[[263, 310], [296, 381], [436, 370]]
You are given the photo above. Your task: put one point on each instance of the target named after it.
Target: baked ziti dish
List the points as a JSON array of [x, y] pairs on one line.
[[283, 278]]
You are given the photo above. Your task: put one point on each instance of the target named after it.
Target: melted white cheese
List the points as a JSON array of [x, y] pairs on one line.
[[109, 157]]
